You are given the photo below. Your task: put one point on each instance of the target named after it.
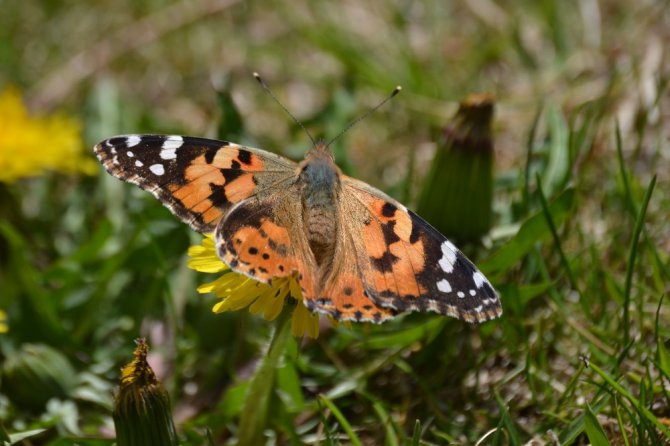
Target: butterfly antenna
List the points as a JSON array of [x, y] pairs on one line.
[[264, 85], [368, 113]]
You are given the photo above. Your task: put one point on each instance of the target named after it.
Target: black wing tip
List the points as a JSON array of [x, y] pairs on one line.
[[133, 139]]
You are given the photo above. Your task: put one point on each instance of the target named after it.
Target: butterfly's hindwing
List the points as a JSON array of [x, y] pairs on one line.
[[253, 241]]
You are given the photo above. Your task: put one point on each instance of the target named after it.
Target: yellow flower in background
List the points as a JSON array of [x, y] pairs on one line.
[[31, 145], [238, 291], [4, 328]]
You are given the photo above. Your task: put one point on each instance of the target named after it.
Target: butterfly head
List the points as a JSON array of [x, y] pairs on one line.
[[318, 170], [319, 153]]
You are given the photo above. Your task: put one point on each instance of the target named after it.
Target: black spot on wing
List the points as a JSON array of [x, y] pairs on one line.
[[244, 156], [390, 236], [416, 229], [218, 195], [231, 174], [388, 210], [280, 248], [209, 156], [384, 262]]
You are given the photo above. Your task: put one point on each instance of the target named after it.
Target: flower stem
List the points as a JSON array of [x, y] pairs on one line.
[[255, 412]]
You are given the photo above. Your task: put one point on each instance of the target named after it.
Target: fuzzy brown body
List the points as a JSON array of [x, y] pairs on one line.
[[320, 189]]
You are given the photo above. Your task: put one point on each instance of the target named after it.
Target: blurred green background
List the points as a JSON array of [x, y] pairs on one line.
[[578, 249]]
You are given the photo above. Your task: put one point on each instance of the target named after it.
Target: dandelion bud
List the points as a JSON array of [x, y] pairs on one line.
[[142, 414], [457, 194]]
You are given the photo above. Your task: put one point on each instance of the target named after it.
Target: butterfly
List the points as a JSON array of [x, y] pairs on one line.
[[357, 254]]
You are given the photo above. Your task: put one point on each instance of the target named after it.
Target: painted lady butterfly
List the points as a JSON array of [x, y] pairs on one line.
[[357, 253]]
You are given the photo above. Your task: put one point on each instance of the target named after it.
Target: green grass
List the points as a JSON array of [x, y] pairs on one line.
[[579, 248]]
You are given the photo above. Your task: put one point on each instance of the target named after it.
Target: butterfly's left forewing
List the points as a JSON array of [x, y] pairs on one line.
[[198, 179], [407, 265]]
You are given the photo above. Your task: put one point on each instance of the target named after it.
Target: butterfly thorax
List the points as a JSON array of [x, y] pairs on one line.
[[319, 179]]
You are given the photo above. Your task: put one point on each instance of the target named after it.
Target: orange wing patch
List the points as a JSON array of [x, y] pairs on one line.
[[213, 185], [395, 256], [346, 299], [261, 252]]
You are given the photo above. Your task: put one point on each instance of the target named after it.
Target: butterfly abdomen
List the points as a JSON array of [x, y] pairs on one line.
[[320, 187]]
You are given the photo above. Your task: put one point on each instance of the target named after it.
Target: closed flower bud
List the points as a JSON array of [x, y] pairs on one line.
[[457, 194], [142, 414]]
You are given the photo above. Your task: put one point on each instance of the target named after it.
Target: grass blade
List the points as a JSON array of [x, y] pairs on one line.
[[416, 435], [593, 429], [506, 421], [631, 259], [557, 239], [622, 426], [626, 394], [342, 420]]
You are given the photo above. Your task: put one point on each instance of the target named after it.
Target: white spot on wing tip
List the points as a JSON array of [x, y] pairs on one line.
[[448, 256], [444, 286], [133, 140], [170, 145], [157, 169], [479, 279], [461, 294], [139, 163]]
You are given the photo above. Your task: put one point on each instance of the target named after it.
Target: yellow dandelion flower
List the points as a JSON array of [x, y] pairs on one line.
[[4, 328], [31, 145], [238, 291]]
